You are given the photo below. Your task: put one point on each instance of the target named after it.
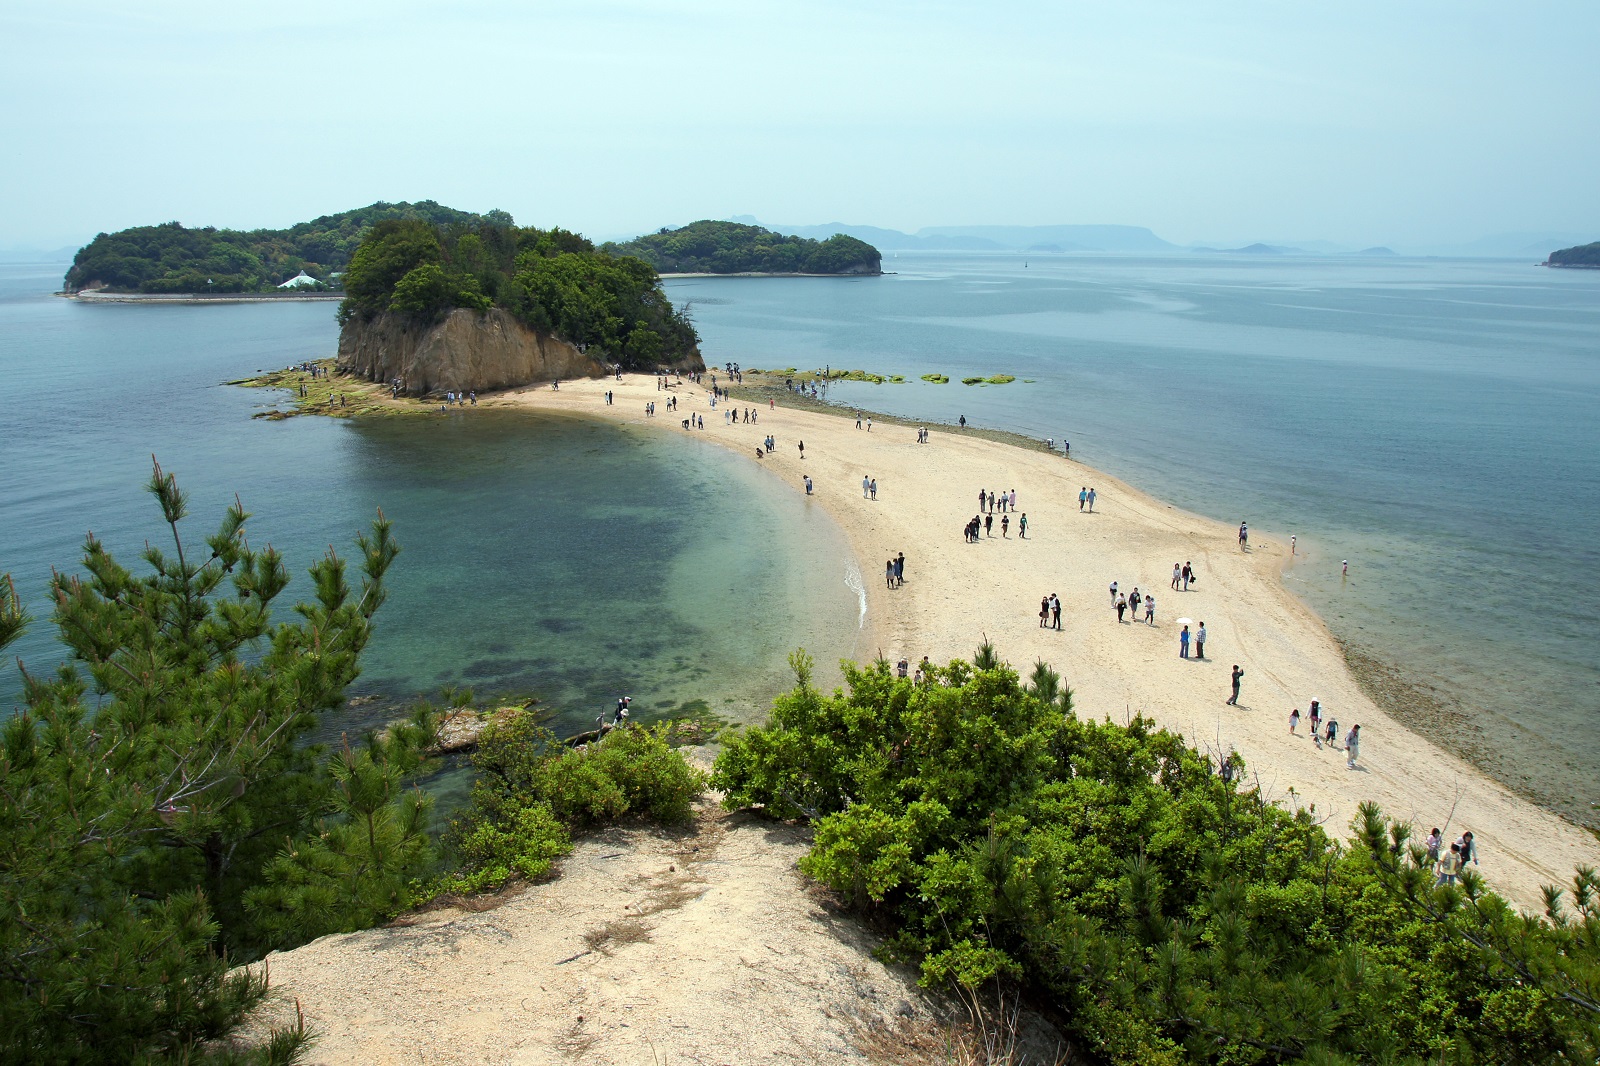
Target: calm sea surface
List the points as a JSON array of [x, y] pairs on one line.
[[1432, 421], [572, 559]]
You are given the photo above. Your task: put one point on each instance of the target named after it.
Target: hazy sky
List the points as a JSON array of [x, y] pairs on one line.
[[1402, 123]]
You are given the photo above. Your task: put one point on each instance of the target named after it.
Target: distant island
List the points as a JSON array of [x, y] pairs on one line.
[[1581, 257], [708, 247], [456, 308], [172, 258]]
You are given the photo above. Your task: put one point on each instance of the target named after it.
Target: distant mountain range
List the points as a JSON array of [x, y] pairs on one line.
[[1119, 239], [989, 238]]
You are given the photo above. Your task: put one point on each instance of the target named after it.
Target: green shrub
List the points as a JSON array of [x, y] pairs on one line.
[[1001, 379], [936, 379], [532, 792], [1167, 913], [521, 842], [972, 381]]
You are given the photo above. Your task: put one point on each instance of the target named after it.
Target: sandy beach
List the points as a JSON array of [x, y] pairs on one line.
[[955, 593]]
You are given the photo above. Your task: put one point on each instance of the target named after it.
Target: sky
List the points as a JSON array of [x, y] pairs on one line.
[[1414, 125]]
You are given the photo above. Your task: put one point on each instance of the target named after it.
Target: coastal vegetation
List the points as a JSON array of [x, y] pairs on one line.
[[533, 792], [552, 281], [936, 379], [1583, 255], [708, 247], [172, 258], [1150, 898], [997, 379], [165, 814]]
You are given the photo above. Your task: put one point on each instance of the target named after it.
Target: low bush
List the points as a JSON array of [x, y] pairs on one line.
[[533, 792], [1132, 886], [936, 379]]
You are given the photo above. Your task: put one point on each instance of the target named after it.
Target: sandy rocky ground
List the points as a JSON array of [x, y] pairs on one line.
[[710, 948], [702, 945]]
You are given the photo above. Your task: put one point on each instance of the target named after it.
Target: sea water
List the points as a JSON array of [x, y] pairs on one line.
[[572, 560], [1433, 422]]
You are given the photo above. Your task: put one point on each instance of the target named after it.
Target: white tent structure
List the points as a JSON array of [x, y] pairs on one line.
[[298, 280]]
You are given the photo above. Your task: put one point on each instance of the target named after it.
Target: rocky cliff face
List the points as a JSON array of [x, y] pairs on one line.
[[467, 352]]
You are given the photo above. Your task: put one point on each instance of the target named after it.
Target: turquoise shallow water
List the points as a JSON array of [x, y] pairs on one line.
[[1432, 421], [572, 559]]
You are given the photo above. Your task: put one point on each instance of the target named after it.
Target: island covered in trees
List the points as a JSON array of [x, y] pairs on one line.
[[1585, 256], [553, 281], [172, 258], [708, 247]]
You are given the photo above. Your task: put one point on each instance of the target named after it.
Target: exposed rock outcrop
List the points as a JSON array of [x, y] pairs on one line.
[[466, 352]]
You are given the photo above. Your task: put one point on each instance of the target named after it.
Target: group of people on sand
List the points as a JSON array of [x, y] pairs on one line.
[[731, 417], [991, 503], [1183, 576], [984, 524], [1132, 602], [869, 487], [1327, 731], [1447, 865], [1086, 498], [894, 571], [902, 668], [1050, 612]]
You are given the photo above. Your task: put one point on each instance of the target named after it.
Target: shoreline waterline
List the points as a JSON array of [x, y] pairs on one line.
[[957, 594], [1287, 649]]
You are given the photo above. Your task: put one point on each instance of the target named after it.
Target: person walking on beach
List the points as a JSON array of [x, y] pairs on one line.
[[1434, 842], [1294, 722], [1133, 602], [864, 485], [988, 524], [808, 484], [1005, 526], [1113, 594], [1448, 867], [1244, 535], [1011, 505], [1022, 526], [1083, 494], [1200, 641], [1183, 643], [1238, 675], [1091, 501], [873, 488], [900, 569], [1330, 731], [1149, 610], [1122, 606], [1316, 721], [1292, 540], [1055, 612], [963, 421], [888, 574], [1352, 747], [1177, 574], [1044, 612], [1188, 576], [1467, 849], [802, 449]]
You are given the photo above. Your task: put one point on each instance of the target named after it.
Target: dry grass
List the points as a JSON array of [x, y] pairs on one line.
[[994, 1031]]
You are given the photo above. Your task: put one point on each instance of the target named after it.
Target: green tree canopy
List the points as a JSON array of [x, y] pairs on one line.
[[162, 814], [708, 247], [171, 258], [552, 280], [1161, 908]]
